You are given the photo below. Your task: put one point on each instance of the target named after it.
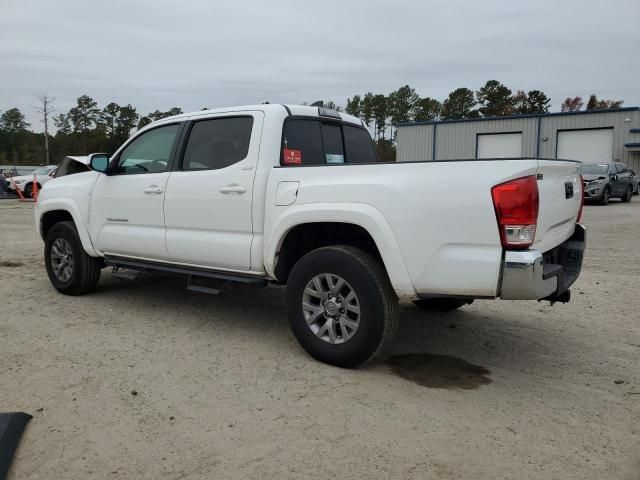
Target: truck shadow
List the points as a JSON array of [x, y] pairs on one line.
[[453, 350]]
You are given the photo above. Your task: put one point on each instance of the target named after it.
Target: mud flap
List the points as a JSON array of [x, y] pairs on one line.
[[11, 427]]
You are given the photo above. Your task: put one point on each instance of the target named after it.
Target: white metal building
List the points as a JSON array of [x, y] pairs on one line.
[[590, 136]]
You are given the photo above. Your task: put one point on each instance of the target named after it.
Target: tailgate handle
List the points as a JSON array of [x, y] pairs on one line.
[[568, 189]]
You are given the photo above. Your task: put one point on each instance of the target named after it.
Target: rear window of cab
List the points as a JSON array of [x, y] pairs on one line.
[[320, 142]]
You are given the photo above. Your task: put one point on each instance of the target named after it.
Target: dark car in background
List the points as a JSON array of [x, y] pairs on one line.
[[603, 181]]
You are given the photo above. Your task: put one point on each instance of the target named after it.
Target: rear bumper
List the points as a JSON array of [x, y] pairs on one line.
[[533, 275]]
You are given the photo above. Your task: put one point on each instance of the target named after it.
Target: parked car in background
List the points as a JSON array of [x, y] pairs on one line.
[[72, 165], [634, 182], [603, 181], [25, 182]]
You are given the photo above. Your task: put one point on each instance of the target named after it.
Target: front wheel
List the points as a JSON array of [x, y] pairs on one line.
[[628, 195], [604, 199], [71, 271], [341, 306]]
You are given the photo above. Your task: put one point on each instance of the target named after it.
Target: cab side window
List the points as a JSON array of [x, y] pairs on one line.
[[150, 152], [217, 143]]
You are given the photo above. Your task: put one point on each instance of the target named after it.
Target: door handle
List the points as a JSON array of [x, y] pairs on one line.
[[153, 189], [233, 188]]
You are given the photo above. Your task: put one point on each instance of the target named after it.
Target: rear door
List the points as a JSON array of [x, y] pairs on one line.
[[559, 202], [209, 194]]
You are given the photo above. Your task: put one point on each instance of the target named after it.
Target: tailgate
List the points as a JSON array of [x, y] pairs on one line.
[[560, 199]]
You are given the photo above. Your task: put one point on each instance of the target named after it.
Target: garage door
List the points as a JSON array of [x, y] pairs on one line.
[[499, 145], [594, 145]]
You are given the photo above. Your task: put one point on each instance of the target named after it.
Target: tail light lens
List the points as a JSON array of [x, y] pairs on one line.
[[581, 199], [516, 206]]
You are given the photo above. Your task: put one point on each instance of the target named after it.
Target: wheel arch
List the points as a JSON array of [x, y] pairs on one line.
[[304, 228], [49, 213]]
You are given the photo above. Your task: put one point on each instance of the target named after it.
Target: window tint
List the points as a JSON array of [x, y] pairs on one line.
[[150, 152], [359, 146], [303, 140], [333, 148], [217, 143]]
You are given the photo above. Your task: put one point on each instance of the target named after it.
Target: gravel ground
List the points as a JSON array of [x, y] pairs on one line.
[[146, 380]]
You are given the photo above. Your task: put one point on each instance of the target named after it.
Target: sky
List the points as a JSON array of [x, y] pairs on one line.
[[156, 54]]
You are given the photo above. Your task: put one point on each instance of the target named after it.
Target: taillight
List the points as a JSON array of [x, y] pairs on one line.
[[581, 199], [516, 206]]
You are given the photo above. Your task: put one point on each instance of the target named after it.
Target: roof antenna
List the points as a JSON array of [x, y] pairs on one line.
[[319, 103]]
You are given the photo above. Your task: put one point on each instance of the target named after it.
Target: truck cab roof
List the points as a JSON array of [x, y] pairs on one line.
[[295, 110]]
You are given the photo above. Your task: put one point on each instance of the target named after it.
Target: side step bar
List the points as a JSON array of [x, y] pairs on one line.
[[194, 274]]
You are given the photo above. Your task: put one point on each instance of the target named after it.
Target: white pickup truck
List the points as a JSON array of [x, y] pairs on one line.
[[294, 195]]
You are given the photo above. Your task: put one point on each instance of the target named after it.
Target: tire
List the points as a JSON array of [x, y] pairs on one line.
[[82, 270], [606, 195], [376, 302], [628, 195], [441, 304], [28, 191]]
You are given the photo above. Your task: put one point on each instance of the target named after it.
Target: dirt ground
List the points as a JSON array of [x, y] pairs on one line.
[[147, 380]]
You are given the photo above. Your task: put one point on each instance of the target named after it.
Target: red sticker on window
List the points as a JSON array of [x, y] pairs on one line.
[[292, 157]]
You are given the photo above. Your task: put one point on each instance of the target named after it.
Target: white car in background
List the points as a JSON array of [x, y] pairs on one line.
[[25, 182]]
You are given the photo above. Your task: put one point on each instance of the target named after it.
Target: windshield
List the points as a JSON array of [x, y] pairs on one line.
[[42, 170], [595, 169]]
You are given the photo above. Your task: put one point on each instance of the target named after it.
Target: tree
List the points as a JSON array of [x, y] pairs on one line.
[[127, 120], [366, 110], [46, 109], [495, 99], [144, 121], [402, 104], [459, 104], [13, 122], [62, 123], [354, 106], [380, 111], [533, 102], [572, 104], [83, 117], [538, 101], [158, 115], [109, 118], [595, 104], [427, 109]]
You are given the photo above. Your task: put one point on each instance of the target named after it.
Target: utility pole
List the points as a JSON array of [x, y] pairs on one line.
[[46, 109]]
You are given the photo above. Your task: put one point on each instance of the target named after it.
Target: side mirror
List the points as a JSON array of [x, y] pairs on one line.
[[99, 162]]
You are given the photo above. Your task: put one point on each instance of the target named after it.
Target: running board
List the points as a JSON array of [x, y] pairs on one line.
[[193, 274]]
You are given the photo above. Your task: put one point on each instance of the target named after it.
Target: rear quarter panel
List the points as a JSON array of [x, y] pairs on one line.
[[440, 216]]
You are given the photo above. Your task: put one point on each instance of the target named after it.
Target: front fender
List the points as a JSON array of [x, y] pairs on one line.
[[67, 205], [365, 216]]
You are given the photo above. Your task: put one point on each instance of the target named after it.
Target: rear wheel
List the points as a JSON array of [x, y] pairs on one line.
[[441, 304], [341, 306], [71, 271], [606, 194], [628, 194]]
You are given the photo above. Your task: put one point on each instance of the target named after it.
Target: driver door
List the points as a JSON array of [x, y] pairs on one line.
[[127, 214]]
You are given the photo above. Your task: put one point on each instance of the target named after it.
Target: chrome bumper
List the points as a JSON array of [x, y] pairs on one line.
[[532, 275]]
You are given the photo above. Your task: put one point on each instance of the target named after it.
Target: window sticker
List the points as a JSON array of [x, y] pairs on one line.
[[334, 158], [292, 157]]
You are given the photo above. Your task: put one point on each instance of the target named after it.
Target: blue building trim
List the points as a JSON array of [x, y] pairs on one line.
[[632, 145], [538, 137], [433, 144], [635, 130], [516, 117]]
